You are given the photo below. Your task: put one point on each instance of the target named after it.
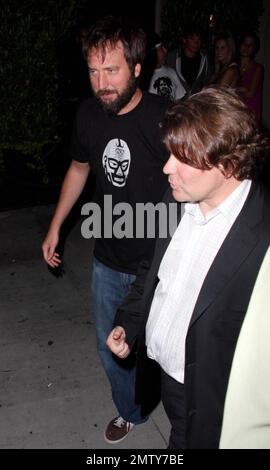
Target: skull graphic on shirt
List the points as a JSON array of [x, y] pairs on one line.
[[116, 162]]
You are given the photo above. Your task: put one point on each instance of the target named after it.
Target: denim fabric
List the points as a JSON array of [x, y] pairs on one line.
[[109, 288]]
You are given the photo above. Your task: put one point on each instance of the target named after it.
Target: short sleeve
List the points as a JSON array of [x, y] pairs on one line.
[[78, 151]]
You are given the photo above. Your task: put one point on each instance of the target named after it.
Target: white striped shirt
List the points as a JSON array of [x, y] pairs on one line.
[[181, 274]]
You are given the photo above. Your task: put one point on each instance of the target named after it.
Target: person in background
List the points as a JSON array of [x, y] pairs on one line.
[[246, 418], [189, 62], [116, 134], [226, 70], [251, 74], [185, 309], [164, 81]]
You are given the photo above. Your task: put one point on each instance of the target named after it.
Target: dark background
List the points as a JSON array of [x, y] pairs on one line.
[[23, 180], [21, 185]]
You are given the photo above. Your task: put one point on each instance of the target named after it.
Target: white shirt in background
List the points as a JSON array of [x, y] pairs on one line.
[[165, 82]]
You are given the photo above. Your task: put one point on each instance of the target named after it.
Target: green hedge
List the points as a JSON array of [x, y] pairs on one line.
[[30, 32]]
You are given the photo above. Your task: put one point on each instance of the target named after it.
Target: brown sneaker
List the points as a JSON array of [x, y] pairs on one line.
[[117, 430]]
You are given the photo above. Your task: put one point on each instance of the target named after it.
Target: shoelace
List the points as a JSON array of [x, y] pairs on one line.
[[119, 422]]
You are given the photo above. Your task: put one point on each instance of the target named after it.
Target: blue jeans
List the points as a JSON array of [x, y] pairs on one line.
[[109, 288]]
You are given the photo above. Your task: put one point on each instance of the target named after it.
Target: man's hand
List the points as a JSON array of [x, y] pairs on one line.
[[116, 341], [48, 249], [72, 187]]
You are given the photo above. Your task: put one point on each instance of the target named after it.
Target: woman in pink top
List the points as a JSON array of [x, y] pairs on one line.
[[251, 74]]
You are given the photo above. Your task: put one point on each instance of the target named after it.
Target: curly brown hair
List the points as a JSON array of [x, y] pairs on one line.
[[214, 128]]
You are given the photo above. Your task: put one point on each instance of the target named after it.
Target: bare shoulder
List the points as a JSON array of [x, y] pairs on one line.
[[259, 67]]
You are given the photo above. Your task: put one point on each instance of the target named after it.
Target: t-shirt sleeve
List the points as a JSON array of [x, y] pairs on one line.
[[161, 150], [153, 117], [78, 150]]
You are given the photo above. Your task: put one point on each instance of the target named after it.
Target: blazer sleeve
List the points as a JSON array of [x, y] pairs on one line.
[[133, 311], [130, 313]]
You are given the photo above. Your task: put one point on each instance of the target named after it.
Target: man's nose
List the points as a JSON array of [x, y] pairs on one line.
[[102, 81], [169, 166]]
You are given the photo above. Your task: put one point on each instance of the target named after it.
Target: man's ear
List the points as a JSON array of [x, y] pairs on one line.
[[137, 70], [228, 172]]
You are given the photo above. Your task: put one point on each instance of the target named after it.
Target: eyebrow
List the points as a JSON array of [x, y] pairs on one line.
[[115, 67]]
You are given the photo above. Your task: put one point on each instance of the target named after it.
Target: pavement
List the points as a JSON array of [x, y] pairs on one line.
[[53, 391]]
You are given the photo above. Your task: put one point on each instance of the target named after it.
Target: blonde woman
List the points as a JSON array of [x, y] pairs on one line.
[[226, 69]]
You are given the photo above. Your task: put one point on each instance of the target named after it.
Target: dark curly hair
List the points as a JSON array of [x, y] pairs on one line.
[[214, 128], [109, 31]]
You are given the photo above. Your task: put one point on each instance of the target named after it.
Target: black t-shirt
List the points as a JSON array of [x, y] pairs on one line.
[[126, 155], [190, 67]]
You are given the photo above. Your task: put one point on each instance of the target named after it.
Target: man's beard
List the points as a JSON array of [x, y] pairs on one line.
[[121, 100]]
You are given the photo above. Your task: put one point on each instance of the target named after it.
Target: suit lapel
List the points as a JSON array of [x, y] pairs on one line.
[[240, 241]]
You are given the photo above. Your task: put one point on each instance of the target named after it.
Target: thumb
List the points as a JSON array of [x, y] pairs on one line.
[[118, 333]]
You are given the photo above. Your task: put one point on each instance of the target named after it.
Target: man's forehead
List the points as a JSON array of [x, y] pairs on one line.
[[106, 50]]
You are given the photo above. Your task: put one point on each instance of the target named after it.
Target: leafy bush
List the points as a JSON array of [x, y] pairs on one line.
[[30, 32]]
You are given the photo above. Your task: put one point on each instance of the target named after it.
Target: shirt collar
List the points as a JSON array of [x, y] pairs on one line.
[[226, 208]]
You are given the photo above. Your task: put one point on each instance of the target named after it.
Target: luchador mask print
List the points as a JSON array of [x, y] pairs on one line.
[[116, 162]]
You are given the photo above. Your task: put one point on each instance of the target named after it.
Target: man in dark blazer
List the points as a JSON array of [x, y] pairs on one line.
[[185, 310]]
